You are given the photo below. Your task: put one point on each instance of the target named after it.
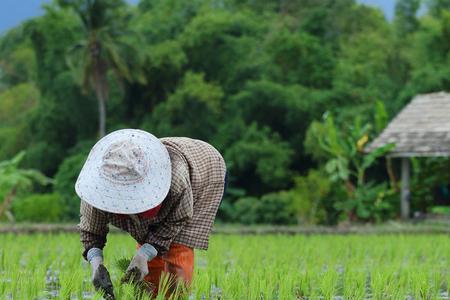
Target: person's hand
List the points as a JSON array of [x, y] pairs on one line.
[[138, 267], [100, 275]]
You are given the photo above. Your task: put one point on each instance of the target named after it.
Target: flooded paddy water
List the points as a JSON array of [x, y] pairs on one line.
[[45, 266]]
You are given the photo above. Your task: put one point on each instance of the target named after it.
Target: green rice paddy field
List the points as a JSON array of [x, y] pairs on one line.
[[244, 267]]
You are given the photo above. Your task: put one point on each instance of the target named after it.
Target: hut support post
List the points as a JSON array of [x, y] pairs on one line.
[[405, 197]]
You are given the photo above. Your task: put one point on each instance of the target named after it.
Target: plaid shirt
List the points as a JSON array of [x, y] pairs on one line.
[[186, 215]]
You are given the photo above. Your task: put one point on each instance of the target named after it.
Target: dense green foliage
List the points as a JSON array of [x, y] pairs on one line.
[[15, 181], [39, 208], [286, 90], [271, 267]]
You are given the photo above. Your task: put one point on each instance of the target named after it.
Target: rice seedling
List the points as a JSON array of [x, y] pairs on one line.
[[240, 267]]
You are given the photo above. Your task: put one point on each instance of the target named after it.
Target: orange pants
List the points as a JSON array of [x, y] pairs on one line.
[[178, 261]]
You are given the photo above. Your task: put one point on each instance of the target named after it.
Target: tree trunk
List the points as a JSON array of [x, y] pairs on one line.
[[405, 196], [392, 178], [101, 115], [100, 91]]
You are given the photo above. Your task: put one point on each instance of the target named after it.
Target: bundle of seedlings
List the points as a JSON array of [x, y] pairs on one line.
[[169, 288]]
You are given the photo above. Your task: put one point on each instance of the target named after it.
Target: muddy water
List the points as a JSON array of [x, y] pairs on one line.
[[52, 284], [53, 287]]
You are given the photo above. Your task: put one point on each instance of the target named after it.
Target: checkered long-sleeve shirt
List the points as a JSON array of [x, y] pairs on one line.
[[186, 215]]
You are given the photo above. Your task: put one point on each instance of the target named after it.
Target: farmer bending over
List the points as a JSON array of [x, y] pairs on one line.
[[165, 193]]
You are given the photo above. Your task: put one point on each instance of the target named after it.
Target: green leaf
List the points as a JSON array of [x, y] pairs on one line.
[[372, 156], [331, 166]]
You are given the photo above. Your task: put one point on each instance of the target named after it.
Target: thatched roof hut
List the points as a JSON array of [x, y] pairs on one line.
[[422, 128]]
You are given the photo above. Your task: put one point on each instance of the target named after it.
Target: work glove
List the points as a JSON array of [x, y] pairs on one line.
[[100, 275], [138, 267]]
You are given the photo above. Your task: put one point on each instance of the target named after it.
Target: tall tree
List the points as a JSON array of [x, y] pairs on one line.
[[104, 47], [406, 16], [436, 7]]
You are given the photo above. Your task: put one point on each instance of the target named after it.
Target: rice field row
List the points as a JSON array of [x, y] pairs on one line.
[[244, 267]]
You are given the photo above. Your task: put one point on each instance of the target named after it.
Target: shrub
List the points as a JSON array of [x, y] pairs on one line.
[[308, 197], [371, 202], [274, 208], [39, 208], [271, 208], [427, 174], [246, 210], [65, 180]]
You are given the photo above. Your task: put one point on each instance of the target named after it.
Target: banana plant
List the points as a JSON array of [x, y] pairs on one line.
[[14, 180], [346, 161]]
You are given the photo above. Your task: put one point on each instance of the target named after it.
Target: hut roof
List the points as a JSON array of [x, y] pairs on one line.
[[422, 128]]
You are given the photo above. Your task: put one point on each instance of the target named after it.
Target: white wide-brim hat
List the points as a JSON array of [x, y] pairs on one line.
[[127, 172]]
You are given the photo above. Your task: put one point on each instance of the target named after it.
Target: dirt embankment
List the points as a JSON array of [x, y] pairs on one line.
[[426, 227]]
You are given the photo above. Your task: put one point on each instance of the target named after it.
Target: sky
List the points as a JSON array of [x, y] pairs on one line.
[[13, 12]]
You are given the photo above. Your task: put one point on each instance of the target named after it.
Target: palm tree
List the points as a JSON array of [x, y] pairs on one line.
[[14, 180], [105, 44]]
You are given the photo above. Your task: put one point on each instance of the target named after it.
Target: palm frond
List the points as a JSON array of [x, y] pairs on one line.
[[117, 62]]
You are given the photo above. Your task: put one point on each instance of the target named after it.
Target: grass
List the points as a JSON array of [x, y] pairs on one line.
[[244, 267]]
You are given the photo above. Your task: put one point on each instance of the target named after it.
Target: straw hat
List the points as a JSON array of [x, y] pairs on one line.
[[127, 172]]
